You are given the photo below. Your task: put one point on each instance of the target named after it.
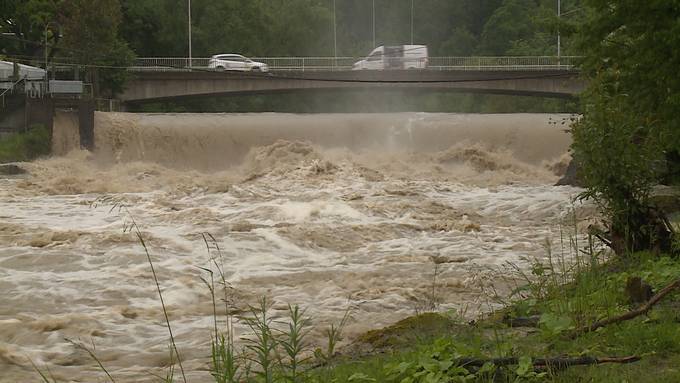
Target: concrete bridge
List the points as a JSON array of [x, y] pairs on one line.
[[532, 76]]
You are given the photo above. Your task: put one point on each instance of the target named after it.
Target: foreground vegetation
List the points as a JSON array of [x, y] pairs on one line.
[[26, 146], [541, 324]]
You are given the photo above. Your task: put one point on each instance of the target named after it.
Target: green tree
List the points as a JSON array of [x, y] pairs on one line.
[[90, 30], [23, 25], [510, 22], [155, 28], [629, 135]]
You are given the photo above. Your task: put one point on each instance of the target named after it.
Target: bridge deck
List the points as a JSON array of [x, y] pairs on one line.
[[163, 85]]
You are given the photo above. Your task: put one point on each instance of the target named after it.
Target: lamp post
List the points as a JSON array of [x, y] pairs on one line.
[[189, 7], [412, 22], [559, 38], [335, 38], [47, 26], [373, 23]]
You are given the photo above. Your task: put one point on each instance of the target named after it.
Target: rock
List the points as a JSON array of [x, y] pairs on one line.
[[11, 169], [666, 198], [571, 176]]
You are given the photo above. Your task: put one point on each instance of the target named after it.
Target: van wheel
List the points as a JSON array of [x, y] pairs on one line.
[[220, 68]]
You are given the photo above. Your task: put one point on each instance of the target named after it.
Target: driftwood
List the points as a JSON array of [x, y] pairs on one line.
[[630, 314], [552, 363]]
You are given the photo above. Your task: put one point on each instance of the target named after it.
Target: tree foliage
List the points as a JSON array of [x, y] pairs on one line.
[[630, 131], [24, 24], [305, 27], [98, 32], [91, 38]]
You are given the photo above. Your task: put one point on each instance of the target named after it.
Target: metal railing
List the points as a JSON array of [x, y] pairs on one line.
[[107, 105], [302, 64], [503, 63], [8, 91]]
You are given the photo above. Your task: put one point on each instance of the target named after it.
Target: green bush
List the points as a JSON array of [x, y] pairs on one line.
[[27, 145]]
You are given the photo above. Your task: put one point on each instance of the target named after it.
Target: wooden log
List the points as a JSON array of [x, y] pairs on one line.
[[630, 314], [553, 363]]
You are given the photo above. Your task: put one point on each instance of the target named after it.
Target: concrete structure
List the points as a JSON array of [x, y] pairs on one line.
[[25, 100], [151, 86], [10, 70]]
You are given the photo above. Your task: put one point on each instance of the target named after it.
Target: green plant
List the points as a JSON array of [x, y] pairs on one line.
[[26, 146], [263, 343], [628, 140], [525, 371], [225, 365], [437, 363], [294, 344]]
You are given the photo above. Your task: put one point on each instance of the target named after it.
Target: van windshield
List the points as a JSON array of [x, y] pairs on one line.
[[375, 56]]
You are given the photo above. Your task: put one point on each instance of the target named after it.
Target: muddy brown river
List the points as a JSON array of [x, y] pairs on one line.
[[327, 211]]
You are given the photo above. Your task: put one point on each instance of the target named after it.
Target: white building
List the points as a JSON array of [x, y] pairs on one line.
[[25, 71]]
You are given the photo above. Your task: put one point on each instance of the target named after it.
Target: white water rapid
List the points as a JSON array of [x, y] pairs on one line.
[[323, 211]]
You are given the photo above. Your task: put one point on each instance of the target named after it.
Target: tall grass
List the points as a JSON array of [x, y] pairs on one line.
[[26, 146], [133, 227], [130, 226]]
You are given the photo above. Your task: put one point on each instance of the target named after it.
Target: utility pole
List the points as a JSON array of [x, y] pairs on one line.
[[412, 22], [559, 42], [335, 38], [46, 76], [189, 7], [373, 23]]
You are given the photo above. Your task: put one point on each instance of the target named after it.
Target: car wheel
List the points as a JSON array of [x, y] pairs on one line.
[[255, 69], [220, 68]]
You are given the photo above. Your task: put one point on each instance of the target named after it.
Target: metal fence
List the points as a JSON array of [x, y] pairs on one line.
[[7, 89], [302, 64], [503, 63], [107, 105]]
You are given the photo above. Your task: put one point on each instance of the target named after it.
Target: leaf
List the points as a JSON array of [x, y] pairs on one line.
[[555, 324], [360, 377], [524, 367]]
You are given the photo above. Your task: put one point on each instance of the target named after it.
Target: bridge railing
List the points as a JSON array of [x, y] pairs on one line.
[[503, 63], [169, 64], [307, 63]]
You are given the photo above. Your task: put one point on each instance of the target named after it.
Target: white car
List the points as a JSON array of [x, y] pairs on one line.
[[395, 57], [236, 62]]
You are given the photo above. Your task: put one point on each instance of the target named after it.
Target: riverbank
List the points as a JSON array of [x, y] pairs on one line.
[[540, 322]]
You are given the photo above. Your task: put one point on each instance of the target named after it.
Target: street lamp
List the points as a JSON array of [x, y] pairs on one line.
[[189, 7], [47, 25], [373, 23], [412, 22], [559, 42], [335, 38]]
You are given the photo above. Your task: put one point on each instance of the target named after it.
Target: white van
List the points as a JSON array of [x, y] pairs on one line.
[[395, 57]]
